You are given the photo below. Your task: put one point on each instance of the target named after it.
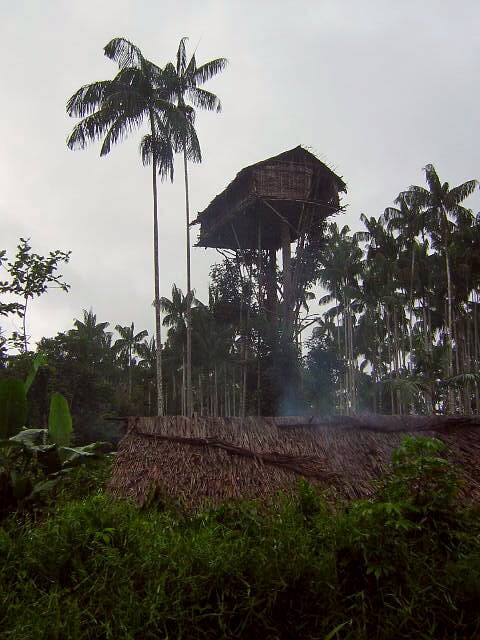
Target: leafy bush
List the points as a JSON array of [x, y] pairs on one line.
[[97, 568], [34, 461]]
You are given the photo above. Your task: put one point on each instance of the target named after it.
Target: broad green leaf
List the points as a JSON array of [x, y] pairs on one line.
[[13, 407], [39, 361], [59, 421], [77, 455], [45, 486], [30, 437]]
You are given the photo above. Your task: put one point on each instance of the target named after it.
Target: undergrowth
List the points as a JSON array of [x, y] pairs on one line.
[[405, 564]]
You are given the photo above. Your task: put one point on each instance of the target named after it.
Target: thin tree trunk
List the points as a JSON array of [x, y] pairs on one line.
[[449, 407], [200, 394], [189, 288], [215, 390], [24, 324], [158, 326], [129, 373], [410, 334], [184, 395], [234, 412]]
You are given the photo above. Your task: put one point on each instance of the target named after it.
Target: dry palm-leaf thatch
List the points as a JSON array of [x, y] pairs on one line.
[[205, 460], [265, 194]]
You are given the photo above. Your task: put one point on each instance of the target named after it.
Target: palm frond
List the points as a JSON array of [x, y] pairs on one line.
[[90, 129], [415, 195], [458, 194], [119, 129], [204, 99], [87, 99], [182, 56], [192, 146], [191, 67], [124, 53], [163, 154], [432, 179], [209, 69], [392, 214]]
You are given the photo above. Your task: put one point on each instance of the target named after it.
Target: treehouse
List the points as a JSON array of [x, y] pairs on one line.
[[271, 202], [267, 207]]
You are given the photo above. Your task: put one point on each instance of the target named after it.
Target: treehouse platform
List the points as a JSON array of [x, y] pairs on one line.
[[267, 202]]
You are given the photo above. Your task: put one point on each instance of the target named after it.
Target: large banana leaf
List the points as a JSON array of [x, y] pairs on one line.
[[60, 427]]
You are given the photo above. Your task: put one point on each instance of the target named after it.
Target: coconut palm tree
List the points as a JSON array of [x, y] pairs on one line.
[[183, 80], [110, 110], [126, 346]]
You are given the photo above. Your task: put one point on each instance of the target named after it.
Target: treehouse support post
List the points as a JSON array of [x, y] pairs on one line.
[[287, 279]]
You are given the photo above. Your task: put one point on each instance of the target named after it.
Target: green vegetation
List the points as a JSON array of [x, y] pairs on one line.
[[404, 564], [30, 275], [33, 462], [399, 332]]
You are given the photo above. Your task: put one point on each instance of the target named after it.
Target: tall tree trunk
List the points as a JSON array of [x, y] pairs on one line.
[[449, 407], [410, 333], [189, 288], [158, 326], [476, 350]]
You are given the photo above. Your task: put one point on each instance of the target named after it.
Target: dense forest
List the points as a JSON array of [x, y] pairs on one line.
[[397, 329]]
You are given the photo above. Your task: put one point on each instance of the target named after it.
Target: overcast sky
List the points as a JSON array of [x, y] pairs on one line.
[[377, 89]]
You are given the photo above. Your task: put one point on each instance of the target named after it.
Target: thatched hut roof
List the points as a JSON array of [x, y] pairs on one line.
[[264, 194], [212, 460]]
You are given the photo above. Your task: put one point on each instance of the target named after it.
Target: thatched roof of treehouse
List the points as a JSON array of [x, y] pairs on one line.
[[211, 460], [289, 182]]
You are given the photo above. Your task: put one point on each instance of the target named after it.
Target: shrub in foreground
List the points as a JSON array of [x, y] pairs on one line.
[[391, 567]]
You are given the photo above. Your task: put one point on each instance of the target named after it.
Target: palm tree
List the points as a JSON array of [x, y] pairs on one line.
[[409, 220], [184, 80], [341, 268], [147, 351], [176, 317], [441, 204], [91, 338], [126, 346], [111, 109]]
